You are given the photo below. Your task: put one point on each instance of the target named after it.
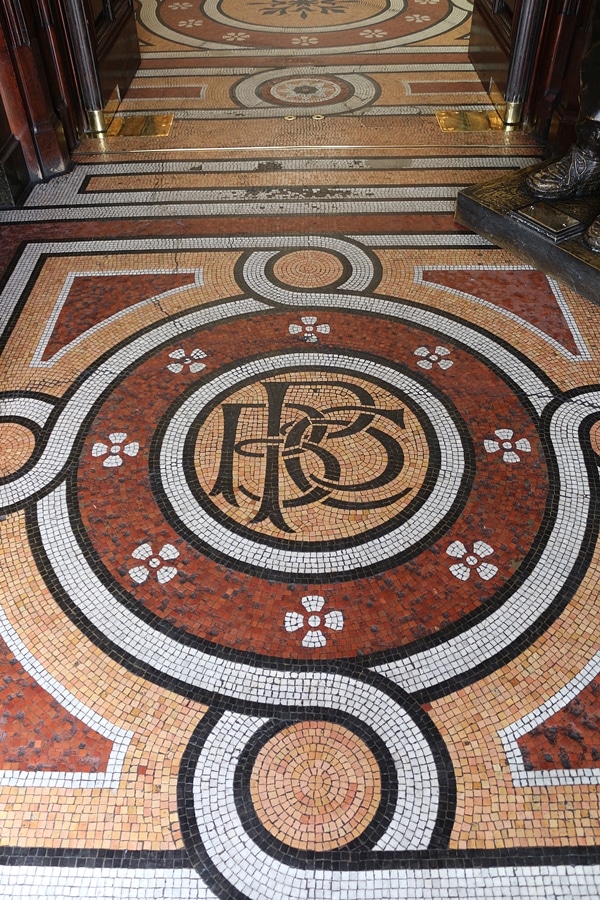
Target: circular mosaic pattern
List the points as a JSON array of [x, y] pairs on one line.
[[17, 443], [345, 457], [310, 27], [315, 786], [190, 559], [308, 269], [304, 90], [319, 469]]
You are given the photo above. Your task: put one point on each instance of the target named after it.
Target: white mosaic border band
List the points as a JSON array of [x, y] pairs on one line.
[[583, 355], [486, 883], [79, 883], [243, 70], [200, 522], [33, 408], [120, 737], [509, 736]]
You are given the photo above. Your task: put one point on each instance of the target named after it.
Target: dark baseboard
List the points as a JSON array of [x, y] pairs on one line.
[[492, 210]]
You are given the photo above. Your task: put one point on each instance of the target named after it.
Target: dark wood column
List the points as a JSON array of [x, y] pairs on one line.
[[554, 100], [19, 22]]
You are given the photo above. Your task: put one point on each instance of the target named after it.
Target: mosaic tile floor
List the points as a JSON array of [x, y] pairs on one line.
[[299, 489]]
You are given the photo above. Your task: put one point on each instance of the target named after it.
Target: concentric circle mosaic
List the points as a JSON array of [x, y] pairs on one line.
[[306, 90], [315, 786], [308, 269], [17, 443]]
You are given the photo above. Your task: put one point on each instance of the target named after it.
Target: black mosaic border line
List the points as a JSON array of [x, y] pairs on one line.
[[308, 546], [94, 858], [574, 579], [177, 860], [271, 845], [338, 860], [212, 649]]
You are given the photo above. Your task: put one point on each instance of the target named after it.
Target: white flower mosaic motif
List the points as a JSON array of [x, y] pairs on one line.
[[154, 563], [190, 23], [506, 443], [309, 328], [305, 40], [372, 33], [314, 637], [438, 357], [180, 5], [470, 561], [236, 36], [418, 19], [114, 452], [183, 360]]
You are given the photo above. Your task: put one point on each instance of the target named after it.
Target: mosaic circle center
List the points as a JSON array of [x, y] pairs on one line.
[[315, 786], [310, 455]]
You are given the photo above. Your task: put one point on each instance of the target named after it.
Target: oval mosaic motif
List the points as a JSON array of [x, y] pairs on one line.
[[303, 26]]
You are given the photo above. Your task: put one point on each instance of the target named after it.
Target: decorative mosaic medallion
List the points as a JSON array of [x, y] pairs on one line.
[[288, 495], [311, 91], [315, 786], [305, 90], [302, 26]]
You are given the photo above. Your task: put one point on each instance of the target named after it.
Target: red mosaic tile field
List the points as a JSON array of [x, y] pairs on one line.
[[37, 734]]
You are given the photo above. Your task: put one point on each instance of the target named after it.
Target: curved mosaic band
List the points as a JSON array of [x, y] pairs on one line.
[[189, 665], [218, 841], [200, 522]]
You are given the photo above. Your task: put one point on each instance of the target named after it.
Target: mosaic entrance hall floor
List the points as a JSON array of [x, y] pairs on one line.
[[299, 489]]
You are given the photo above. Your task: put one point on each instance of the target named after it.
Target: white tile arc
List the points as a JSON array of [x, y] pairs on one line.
[[61, 439], [541, 587], [287, 561], [258, 874]]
